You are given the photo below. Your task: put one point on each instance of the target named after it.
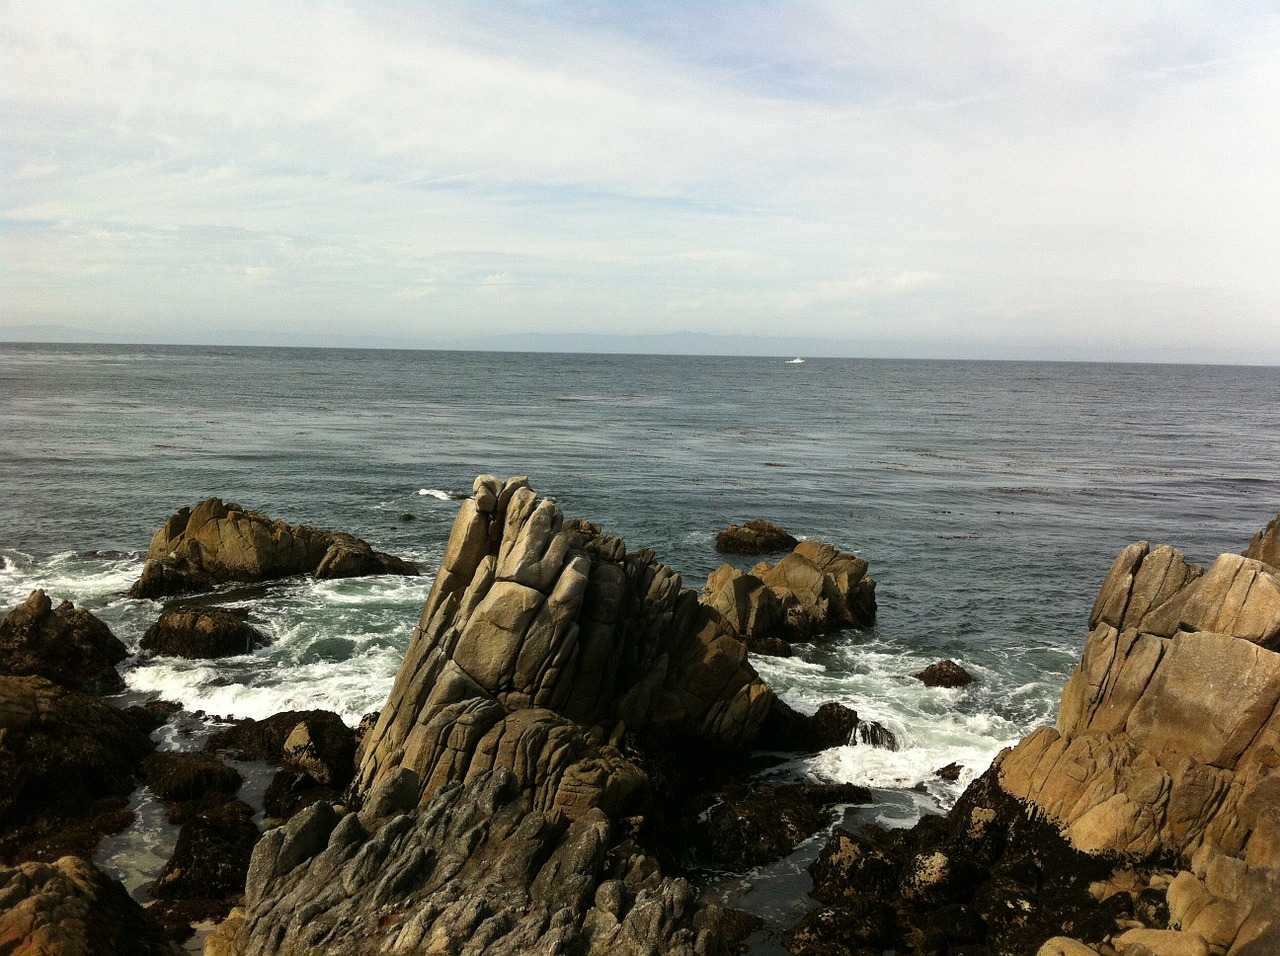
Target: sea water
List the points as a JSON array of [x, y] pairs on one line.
[[990, 498]]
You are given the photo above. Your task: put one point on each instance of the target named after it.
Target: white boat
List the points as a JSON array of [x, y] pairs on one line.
[[795, 361]]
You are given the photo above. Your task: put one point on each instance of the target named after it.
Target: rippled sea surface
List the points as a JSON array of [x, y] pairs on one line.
[[989, 498]]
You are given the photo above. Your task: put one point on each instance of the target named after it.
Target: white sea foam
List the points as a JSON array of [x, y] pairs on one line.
[[89, 579], [259, 686], [435, 493], [933, 726]]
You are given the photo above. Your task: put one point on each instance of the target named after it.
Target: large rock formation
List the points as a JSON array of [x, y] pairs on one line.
[[66, 644], [1160, 770], [212, 543], [543, 640], [500, 783], [814, 589]]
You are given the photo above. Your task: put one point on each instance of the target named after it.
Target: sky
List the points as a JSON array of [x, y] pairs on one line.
[[986, 179]]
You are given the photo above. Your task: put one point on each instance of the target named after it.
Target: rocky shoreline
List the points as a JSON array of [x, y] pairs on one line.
[[569, 739]]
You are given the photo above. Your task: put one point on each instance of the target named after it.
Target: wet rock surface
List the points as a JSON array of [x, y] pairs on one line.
[[65, 644], [215, 542], [831, 725], [69, 763], [314, 749], [945, 674], [201, 632]]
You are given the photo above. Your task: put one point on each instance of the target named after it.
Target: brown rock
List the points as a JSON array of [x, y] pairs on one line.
[[66, 644], [212, 543], [70, 908], [945, 674], [202, 632], [312, 742], [811, 591], [174, 775], [754, 537], [1265, 546], [62, 754], [1165, 749]]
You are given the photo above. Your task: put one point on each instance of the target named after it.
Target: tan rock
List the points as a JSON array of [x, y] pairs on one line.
[[1265, 546], [537, 629], [1156, 942], [213, 542], [1063, 946], [70, 908]]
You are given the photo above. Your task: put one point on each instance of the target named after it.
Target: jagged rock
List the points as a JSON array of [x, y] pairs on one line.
[[945, 674], [1265, 546], [200, 632], [70, 908], [545, 654], [813, 590], [69, 763], [1163, 751], [754, 537], [212, 543], [538, 630], [66, 644], [476, 870]]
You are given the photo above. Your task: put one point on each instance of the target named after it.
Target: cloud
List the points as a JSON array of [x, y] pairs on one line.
[[1081, 166]]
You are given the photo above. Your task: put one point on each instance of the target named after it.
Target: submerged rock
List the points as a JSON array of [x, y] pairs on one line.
[[1161, 762], [213, 543], [200, 632], [754, 537], [66, 644]]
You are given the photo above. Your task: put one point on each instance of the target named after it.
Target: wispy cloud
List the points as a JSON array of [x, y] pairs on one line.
[[1017, 168]]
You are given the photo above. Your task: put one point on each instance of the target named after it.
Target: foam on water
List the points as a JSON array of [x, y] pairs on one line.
[[933, 726], [335, 645], [89, 578], [436, 493]]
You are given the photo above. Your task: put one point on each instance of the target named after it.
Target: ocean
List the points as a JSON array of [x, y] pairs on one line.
[[989, 498]]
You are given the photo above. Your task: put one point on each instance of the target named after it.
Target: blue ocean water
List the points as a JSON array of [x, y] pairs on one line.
[[989, 498]]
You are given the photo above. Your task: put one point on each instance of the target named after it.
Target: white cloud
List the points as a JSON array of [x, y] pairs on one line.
[[1081, 166]]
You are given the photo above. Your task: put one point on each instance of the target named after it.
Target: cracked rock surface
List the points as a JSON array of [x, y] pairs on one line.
[[495, 805]]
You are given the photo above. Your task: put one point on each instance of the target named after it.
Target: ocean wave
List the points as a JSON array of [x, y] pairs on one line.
[[92, 579]]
